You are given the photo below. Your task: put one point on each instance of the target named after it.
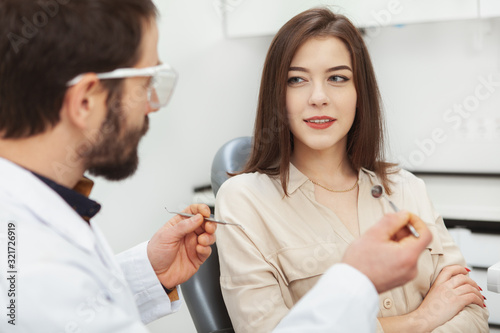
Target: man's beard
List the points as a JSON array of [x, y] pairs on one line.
[[115, 155]]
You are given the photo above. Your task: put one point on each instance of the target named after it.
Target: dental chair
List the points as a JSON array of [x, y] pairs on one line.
[[202, 291]]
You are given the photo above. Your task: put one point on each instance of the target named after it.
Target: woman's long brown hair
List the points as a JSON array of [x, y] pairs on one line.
[[272, 139]]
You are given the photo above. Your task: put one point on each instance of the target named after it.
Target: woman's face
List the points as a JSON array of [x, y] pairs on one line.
[[321, 97]]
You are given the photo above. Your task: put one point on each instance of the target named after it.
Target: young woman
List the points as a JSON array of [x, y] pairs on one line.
[[305, 193]]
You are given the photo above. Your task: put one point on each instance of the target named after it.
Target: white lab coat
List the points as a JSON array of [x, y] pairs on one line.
[[343, 301], [67, 279]]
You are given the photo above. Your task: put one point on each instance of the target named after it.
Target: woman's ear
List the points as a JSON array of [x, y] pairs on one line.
[[84, 102]]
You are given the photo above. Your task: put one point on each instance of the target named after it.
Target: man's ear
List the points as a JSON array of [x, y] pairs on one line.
[[85, 102]]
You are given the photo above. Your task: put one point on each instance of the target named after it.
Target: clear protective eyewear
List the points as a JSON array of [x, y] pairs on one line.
[[163, 79]]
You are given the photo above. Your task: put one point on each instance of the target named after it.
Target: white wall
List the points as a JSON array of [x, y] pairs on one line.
[[441, 86], [215, 101], [426, 72]]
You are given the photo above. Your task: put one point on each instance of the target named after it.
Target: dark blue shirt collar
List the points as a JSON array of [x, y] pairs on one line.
[[84, 206]]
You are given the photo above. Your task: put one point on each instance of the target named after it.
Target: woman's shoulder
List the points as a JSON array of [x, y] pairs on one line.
[[410, 192], [248, 179], [403, 180], [396, 176], [399, 176], [399, 180], [245, 182]]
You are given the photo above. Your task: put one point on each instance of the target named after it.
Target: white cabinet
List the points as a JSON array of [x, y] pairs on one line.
[[244, 18], [492, 299], [481, 251]]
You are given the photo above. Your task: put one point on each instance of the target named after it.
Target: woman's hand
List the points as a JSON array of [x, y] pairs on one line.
[[452, 291]]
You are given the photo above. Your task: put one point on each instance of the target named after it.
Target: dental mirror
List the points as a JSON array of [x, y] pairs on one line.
[[378, 192]]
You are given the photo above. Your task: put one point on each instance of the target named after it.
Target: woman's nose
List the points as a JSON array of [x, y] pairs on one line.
[[318, 96]]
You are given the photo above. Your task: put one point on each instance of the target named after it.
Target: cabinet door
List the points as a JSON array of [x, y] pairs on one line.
[[244, 18]]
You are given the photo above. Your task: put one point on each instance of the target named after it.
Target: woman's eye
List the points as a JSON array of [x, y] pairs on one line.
[[338, 78], [295, 80]]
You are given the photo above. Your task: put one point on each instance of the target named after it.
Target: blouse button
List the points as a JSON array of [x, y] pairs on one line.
[[387, 303]]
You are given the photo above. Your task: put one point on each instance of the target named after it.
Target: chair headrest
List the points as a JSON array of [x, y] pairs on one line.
[[231, 157]]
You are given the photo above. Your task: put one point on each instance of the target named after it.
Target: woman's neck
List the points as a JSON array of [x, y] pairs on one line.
[[327, 167]]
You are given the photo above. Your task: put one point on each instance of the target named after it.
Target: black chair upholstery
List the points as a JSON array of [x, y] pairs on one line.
[[202, 291], [231, 157]]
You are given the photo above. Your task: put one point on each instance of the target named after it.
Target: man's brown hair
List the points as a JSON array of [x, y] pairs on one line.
[[45, 43]]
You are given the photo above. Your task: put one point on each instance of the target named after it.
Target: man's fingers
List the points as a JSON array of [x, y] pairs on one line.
[[412, 243], [207, 227], [198, 209], [390, 225], [210, 227], [424, 232], [401, 234], [394, 227], [203, 252], [206, 239], [188, 225]]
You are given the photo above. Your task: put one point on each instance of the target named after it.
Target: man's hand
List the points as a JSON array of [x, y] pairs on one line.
[[178, 249], [387, 253]]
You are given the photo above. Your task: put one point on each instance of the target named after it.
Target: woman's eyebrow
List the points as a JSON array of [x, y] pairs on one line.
[[298, 69], [331, 69], [337, 68]]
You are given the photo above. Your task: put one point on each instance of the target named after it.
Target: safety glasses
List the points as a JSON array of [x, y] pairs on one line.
[[160, 89]]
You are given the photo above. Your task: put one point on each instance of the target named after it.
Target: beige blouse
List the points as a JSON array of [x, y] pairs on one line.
[[288, 242]]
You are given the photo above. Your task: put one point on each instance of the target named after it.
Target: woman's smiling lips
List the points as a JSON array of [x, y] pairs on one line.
[[321, 122]]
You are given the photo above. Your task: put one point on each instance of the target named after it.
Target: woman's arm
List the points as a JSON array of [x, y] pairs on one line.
[[474, 317], [452, 291], [471, 318], [249, 283]]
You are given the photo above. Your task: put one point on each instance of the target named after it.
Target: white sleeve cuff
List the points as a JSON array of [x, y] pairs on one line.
[[150, 297]]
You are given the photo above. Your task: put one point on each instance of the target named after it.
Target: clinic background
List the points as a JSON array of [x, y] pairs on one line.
[[426, 72]]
